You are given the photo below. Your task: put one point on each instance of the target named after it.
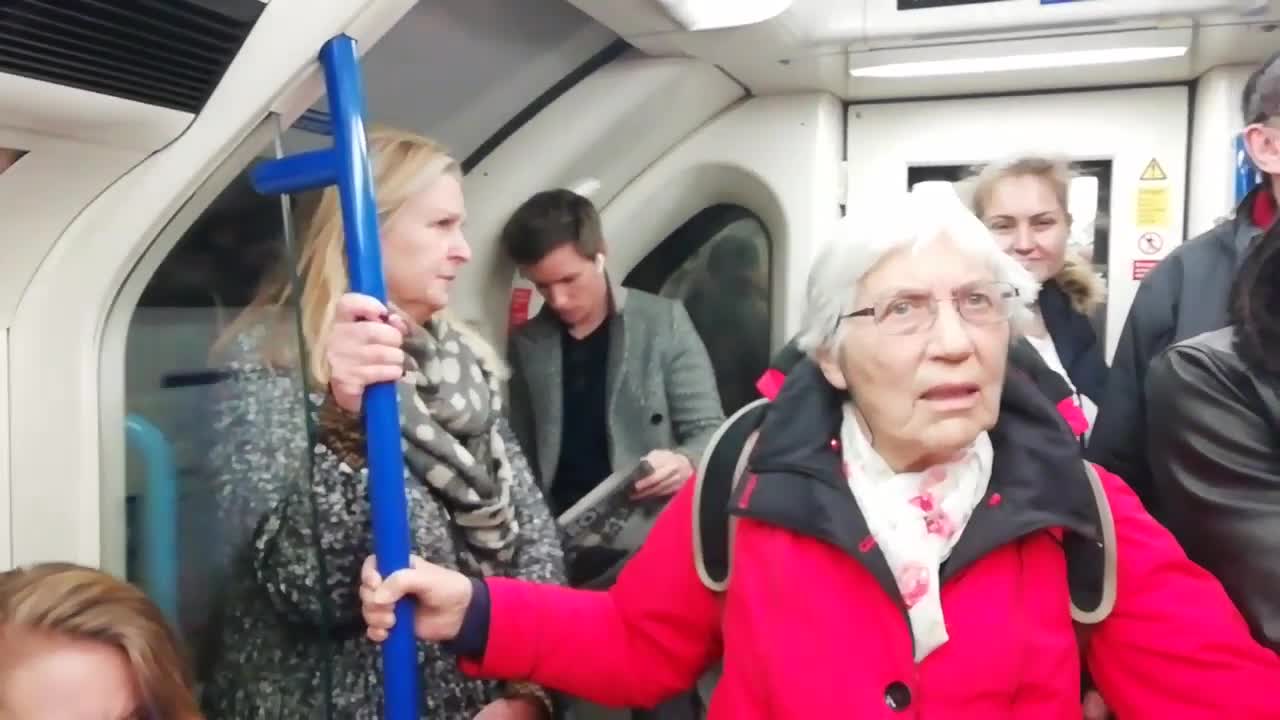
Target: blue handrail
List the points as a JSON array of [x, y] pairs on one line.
[[159, 511], [1247, 176], [346, 164]]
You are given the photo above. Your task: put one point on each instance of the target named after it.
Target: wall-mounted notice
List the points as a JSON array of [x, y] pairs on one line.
[[1152, 209], [1142, 267], [1153, 171], [518, 312]]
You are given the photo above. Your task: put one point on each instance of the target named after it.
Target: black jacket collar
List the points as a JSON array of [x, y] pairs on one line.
[[1037, 479], [1074, 339]]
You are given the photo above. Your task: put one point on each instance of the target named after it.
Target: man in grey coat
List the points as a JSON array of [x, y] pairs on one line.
[[603, 378]]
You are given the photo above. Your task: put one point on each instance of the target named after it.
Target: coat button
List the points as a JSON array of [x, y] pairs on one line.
[[656, 419], [897, 696]]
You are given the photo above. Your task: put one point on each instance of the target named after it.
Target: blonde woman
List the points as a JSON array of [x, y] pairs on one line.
[[289, 644], [77, 642], [1024, 203]]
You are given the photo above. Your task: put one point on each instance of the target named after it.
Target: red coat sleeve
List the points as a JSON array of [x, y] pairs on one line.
[[1174, 646], [646, 639]]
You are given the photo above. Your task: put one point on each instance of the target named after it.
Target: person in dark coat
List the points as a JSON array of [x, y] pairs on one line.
[[1186, 295]]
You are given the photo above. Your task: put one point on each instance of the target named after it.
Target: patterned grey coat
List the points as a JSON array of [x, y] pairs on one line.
[[289, 640]]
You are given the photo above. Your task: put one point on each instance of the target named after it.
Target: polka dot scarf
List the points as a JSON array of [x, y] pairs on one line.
[[450, 402], [916, 519]]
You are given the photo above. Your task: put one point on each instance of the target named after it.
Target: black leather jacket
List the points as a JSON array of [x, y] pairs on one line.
[[1214, 452], [1185, 295]]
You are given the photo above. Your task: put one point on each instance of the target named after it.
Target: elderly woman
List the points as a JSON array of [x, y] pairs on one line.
[[901, 537]]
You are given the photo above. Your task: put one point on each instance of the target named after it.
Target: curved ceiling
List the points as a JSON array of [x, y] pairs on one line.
[[500, 55], [814, 44]]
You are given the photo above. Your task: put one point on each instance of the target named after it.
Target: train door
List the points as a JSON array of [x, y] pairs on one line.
[[1129, 148]]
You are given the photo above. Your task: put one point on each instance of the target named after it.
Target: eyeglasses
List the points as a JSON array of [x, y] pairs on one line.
[[906, 313]]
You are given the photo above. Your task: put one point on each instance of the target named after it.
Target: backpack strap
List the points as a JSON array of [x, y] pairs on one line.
[[1092, 563], [723, 464]]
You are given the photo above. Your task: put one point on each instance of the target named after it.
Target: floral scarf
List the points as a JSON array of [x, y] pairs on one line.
[[916, 519]]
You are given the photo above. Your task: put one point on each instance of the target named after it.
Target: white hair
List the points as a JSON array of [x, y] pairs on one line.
[[915, 221]]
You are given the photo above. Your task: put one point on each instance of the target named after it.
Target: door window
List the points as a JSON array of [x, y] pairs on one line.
[[218, 421], [718, 264], [1142, 204]]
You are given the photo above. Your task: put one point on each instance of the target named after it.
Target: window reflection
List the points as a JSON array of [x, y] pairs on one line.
[[718, 264], [171, 380], [187, 530]]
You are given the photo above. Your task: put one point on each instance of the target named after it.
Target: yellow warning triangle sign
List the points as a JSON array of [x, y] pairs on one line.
[[1154, 171]]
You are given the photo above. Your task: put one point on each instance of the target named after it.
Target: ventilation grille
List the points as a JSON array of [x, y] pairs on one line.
[[170, 53]]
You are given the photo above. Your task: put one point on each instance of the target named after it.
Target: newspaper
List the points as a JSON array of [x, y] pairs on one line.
[[605, 528]]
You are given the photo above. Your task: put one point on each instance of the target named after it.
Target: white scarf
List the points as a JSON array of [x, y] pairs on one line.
[[916, 518]]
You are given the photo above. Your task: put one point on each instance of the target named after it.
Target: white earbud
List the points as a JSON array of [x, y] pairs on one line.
[[600, 262]]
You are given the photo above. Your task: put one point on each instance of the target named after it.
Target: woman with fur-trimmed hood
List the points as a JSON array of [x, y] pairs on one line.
[[1024, 203]]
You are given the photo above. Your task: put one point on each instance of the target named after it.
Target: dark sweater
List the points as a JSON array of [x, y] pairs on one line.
[[584, 446]]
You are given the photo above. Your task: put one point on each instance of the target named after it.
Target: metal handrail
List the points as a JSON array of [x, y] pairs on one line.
[[159, 515]]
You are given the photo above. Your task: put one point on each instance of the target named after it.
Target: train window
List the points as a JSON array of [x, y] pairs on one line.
[[9, 156], [1088, 201], [217, 428], [718, 265]]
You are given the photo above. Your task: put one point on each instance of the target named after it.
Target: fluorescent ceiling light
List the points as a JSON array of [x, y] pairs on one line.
[[586, 187], [1038, 61], [718, 14]]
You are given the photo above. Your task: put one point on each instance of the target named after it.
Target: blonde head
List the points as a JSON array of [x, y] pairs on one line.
[[1081, 284], [403, 164], [1056, 172], [58, 601]]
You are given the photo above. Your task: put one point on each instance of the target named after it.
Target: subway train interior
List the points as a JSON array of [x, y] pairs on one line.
[[133, 237]]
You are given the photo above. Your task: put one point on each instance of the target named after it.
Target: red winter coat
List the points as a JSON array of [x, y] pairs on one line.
[[811, 626]]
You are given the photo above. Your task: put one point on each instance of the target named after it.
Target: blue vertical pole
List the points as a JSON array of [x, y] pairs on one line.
[[347, 165], [1247, 176]]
